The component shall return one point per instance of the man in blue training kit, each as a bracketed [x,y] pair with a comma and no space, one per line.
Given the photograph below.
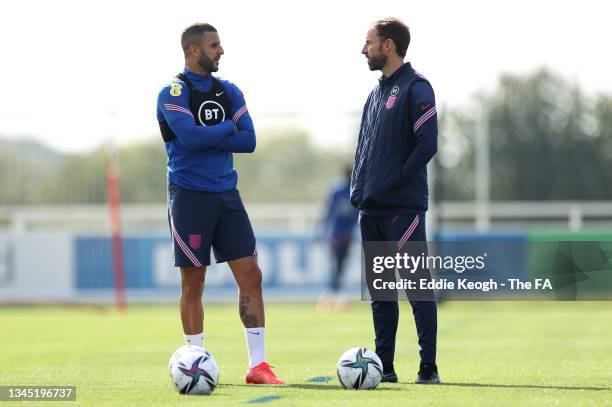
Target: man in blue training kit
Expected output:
[338,224]
[397,138]
[203,120]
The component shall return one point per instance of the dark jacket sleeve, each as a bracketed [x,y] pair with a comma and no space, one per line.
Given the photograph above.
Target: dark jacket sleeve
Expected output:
[424,122]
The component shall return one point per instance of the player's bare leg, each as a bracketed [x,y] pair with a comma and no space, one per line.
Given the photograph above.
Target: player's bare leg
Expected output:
[250,300]
[192,312]
[251,310]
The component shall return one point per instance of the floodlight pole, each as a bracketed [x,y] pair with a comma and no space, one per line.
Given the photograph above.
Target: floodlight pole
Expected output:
[483,170]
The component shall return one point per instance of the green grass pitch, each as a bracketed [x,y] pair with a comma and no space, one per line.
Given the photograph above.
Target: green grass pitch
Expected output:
[489,354]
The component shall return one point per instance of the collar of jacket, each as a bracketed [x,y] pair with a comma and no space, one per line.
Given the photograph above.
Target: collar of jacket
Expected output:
[383,79]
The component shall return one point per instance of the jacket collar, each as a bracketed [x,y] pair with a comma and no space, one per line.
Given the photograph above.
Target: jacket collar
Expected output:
[383,79]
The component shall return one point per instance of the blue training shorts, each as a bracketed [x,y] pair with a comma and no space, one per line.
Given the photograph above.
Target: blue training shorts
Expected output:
[201,220]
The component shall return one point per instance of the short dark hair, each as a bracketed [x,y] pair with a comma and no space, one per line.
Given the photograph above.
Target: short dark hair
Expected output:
[394,29]
[193,34]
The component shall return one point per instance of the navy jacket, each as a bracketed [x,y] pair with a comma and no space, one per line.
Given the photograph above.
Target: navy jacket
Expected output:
[397,138]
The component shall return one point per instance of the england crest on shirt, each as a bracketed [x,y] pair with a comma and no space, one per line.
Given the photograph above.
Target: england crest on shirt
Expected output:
[392,98]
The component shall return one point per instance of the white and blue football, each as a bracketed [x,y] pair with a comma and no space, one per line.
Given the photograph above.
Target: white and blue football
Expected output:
[194,371]
[359,369]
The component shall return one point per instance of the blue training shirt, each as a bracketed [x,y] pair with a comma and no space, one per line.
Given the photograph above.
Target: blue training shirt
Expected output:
[340,216]
[200,158]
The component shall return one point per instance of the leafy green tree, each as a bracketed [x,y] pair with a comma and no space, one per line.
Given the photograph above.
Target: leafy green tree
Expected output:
[548,141]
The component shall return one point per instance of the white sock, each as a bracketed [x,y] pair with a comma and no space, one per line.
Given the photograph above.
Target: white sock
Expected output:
[197,339]
[255,338]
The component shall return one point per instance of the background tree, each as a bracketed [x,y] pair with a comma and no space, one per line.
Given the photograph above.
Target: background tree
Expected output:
[548,141]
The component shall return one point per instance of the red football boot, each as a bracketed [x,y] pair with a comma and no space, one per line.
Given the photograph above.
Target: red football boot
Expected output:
[262,374]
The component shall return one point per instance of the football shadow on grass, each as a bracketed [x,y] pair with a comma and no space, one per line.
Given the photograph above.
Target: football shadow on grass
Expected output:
[523,386]
[334,387]
[310,387]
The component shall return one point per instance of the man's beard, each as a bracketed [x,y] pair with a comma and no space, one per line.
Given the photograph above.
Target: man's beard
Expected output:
[377,63]
[207,64]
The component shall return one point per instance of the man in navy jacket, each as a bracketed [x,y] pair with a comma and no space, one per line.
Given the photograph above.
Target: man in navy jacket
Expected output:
[397,138]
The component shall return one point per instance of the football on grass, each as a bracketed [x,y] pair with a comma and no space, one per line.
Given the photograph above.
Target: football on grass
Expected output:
[359,369]
[193,370]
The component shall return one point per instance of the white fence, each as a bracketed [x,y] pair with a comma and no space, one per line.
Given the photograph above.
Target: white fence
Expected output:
[302,217]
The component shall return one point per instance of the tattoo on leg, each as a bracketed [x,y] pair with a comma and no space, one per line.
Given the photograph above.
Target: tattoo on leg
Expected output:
[249,321]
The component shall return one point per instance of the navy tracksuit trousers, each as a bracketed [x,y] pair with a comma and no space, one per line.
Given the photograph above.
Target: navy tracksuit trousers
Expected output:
[400,228]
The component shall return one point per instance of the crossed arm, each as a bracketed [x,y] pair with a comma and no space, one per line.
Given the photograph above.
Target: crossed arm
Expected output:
[236,135]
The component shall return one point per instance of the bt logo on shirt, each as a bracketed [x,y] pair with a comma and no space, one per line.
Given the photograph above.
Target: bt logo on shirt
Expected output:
[210,113]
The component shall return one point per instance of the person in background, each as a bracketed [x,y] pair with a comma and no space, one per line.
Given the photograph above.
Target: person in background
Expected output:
[338,226]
